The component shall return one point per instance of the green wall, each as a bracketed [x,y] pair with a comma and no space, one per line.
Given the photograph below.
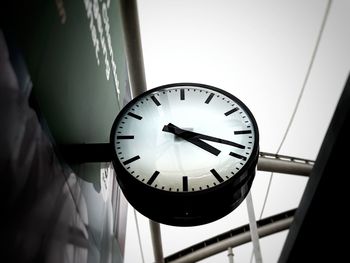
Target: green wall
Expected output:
[74,51]
[75,69]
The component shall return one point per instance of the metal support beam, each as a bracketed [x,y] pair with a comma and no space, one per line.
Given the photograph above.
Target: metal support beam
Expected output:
[234,241]
[138,85]
[253,229]
[133,46]
[230,255]
[156,241]
[284,164]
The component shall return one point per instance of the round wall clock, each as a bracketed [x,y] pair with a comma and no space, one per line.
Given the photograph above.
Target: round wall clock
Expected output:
[185,154]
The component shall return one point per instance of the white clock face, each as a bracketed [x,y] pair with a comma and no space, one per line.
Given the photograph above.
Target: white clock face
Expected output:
[184,138]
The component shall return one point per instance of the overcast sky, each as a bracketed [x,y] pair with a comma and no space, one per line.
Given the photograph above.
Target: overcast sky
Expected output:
[260,52]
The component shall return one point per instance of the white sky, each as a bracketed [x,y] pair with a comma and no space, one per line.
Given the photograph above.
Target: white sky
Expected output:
[259,51]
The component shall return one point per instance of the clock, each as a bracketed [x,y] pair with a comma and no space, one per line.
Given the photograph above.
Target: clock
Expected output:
[185,154]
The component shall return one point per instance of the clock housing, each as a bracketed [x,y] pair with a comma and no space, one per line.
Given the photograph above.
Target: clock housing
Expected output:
[185,154]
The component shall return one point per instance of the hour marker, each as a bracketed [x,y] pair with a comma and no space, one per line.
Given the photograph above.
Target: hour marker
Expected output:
[131,160]
[243,132]
[134,115]
[125,137]
[182,94]
[231,111]
[209,98]
[153,177]
[238,156]
[155,100]
[217,176]
[184,183]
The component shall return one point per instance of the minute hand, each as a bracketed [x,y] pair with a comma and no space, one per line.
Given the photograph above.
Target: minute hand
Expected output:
[206,137]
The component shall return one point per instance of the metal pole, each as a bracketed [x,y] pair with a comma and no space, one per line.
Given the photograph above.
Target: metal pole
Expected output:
[284,164]
[253,229]
[156,241]
[230,255]
[234,241]
[136,70]
[133,46]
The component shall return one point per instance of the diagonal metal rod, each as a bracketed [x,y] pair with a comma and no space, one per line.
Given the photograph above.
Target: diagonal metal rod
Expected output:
[156,241]
[266,227]
[137,77]
[133,46]
[253,229]
[284,164]
[234,241]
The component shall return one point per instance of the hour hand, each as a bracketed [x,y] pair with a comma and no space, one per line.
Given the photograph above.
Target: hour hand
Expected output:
[190,137]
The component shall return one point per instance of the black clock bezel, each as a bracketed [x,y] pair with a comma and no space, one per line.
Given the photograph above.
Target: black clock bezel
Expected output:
[192,207]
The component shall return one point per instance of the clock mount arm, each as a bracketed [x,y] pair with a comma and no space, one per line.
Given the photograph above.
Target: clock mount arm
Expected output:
[103,152]
[85,153]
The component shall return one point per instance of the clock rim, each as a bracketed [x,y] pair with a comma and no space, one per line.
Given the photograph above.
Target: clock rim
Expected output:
[249,162]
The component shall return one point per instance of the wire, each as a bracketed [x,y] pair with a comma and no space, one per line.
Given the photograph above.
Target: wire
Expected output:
[306,79]
[300,94]
[139,237]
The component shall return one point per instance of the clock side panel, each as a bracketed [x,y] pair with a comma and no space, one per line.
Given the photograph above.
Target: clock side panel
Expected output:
[185,209]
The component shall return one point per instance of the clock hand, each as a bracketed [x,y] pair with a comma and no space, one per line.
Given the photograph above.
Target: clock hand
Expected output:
[186,135]
[192,134]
